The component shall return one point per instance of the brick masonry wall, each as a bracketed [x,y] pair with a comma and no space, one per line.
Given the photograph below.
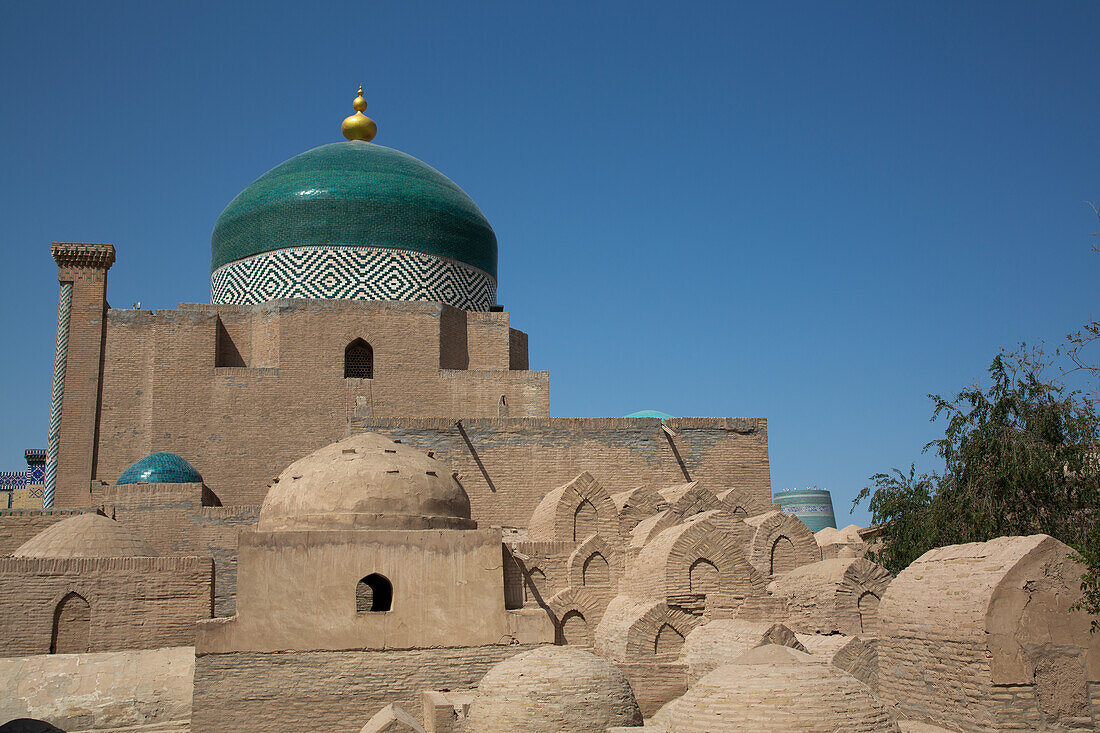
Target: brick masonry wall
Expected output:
[241,425]
[136,603]
[19,525]
[336,692]
[508,465]
[655,684]
[171,518]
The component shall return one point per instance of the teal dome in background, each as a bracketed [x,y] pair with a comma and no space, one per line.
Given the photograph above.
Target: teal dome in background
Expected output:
[354,221]
[160,468]
[650,413]
[355,194]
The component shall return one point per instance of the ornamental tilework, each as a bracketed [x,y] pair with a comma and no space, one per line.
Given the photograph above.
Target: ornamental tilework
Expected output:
[352,273]
[11,480]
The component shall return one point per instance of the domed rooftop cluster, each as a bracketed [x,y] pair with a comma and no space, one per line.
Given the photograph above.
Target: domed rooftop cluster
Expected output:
[85,535]
[160,468]
[776,688]
[552,689]
[366,481]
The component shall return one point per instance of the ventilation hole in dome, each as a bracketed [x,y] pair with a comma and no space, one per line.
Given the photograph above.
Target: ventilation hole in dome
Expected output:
[388,450]
[393,471]
[431,473]
[348,450]
[397,440]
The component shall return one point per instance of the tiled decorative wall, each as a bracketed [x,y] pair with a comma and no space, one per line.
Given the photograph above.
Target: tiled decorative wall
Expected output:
[352,273]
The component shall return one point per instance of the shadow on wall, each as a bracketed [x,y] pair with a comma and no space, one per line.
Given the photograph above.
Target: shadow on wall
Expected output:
[27,725]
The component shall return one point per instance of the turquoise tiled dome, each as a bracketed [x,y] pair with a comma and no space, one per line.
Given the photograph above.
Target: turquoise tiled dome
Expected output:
[160,468]
[650,413]
[355,194]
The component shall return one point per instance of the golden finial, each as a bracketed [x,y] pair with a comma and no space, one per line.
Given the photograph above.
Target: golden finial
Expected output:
[359,126]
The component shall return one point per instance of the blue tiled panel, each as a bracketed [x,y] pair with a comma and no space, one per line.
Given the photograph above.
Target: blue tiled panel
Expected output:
[11,480]
[160,468]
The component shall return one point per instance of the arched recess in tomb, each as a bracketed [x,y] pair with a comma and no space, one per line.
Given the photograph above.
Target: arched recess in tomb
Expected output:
[665,566]
[574,512]
[703,577]
[573,629]
[771,556]
[578,601]
[783,556]
[668,644]
[373,594]
[630,629]
[585,520]
[72,626]
[868,612]
[594,565]
[596,571]
[359,360]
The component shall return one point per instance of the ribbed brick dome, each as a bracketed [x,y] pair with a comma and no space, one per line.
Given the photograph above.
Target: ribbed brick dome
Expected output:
[85,535]
[776,688]
[366,481]
[552,689]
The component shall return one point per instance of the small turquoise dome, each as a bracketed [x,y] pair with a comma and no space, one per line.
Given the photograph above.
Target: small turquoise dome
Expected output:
[650,413]
[160,468]
[355,194]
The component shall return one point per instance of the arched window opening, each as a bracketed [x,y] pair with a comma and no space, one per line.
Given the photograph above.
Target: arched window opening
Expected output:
[502,407]
[584,521]
[668,643]
[359,360]
[72,626]
[867,606]
[573,629]
[373,594]
[596,571]
[703,577]
[784,558]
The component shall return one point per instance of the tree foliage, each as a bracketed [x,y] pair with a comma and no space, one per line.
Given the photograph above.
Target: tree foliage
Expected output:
[1019,457]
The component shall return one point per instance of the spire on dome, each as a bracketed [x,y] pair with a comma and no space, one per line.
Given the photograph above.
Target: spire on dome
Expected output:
[358,126]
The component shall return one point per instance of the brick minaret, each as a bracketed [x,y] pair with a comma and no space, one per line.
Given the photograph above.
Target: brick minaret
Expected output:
[77,371]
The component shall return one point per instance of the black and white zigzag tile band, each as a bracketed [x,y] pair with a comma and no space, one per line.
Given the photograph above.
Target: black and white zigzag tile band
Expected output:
[352,273]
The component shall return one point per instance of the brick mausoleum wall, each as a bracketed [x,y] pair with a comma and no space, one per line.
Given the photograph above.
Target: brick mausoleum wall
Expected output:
[172,519]
[508,465]
[135,602]
[19,525]
[335,692]
[243,391]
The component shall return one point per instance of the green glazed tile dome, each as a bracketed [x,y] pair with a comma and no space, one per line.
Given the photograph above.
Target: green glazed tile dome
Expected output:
[160,468]
[355,194]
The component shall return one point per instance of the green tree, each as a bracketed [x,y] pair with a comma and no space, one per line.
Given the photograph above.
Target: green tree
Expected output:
[1019,458]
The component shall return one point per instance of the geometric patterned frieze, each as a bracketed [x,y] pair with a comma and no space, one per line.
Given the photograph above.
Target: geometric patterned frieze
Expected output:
[352,273]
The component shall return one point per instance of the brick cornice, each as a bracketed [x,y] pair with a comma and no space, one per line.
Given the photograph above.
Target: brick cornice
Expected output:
[83,254]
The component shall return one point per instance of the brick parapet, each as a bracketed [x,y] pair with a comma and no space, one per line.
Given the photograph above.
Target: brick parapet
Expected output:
[83,255]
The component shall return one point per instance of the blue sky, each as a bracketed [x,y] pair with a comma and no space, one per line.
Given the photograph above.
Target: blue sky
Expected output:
[812,212]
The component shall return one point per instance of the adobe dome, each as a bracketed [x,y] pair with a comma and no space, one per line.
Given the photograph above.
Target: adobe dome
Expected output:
[160,468]
[366,481]
[552,689]
[788,688]
[85,535]
[354,220]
